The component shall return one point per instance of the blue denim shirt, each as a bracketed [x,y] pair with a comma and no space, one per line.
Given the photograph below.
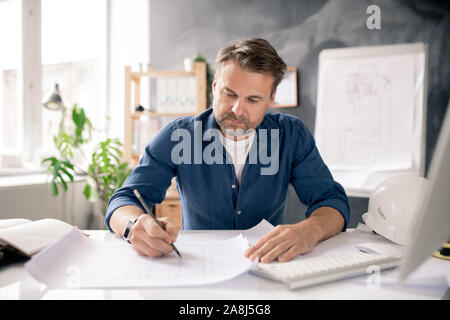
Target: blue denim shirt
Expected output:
[210,195]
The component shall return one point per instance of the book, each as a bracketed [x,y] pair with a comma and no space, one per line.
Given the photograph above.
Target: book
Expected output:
[28,237]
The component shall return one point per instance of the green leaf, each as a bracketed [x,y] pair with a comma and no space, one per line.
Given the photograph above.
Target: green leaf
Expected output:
[51,159]
[88,125]
[64,183]
[90,190]
[54,189]
[106,155]
[119,153]
[78,116]
[67,164]
[67,173]
[59,171]
[87,191]
[200,58]
[64,143]
[79,119]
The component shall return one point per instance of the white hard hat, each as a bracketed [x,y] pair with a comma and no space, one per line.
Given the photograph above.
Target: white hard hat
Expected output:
[392,206]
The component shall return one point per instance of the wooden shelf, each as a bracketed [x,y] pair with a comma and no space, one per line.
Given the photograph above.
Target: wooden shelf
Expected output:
[138,115]
[133,97]
[163,74]
[170,207]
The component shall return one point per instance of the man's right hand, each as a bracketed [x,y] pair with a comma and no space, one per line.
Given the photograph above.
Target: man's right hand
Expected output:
[149,239]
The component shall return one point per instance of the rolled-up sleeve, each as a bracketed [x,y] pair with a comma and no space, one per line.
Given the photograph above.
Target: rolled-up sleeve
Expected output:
[152,177]
[312,180]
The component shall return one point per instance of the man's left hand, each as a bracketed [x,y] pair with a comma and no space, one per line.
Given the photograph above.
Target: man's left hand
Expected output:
[285,242]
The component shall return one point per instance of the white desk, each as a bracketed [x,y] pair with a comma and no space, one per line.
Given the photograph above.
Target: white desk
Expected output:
[16,283]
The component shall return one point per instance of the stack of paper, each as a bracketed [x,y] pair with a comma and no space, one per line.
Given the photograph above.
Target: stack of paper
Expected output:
[80,262]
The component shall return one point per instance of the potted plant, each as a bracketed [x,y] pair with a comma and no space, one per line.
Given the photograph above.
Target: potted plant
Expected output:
[105,171]
[209,78]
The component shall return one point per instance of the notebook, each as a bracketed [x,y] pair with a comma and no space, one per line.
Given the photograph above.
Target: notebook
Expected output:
[29,237]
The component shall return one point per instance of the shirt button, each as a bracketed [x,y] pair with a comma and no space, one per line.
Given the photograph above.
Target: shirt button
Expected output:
[233,186]
[239,212]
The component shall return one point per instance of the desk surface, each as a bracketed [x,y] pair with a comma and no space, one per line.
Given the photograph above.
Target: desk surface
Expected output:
[16,283]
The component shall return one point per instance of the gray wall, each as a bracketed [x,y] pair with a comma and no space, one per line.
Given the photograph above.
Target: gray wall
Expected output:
[299,30]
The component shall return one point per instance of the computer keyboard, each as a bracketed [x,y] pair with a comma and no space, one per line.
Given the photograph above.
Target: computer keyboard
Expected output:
[321,269]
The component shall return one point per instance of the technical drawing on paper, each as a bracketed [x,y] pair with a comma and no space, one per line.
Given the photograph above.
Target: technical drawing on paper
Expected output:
[368,113]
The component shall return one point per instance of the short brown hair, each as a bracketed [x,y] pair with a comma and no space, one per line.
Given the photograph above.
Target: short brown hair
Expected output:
[254,55]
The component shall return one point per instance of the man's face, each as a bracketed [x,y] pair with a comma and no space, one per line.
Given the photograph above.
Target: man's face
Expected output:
[241,98]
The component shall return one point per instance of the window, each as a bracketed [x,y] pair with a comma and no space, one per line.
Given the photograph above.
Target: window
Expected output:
[129,45]
[11,138]
[74,57]
[84,46]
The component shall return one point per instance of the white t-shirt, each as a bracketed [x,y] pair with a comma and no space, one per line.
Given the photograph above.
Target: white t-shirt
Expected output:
[238,150]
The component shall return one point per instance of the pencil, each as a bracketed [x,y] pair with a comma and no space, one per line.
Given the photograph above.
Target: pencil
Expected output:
[141,200]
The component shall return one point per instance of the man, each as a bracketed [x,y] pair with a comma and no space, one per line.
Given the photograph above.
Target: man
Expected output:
[248,185]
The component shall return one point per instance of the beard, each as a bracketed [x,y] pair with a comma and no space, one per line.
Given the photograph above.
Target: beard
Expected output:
[231,129]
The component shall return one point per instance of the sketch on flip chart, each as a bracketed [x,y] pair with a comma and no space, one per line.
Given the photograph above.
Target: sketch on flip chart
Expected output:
[370,113]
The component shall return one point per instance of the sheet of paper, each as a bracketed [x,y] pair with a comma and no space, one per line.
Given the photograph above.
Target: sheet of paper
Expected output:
[370,111]
[6,223]
[286,91]
[252,235]
[79,262]
[255,233]
[346,241]
[370,90]
[433,274]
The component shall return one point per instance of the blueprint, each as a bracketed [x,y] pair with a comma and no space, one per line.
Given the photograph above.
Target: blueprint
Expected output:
[76,261]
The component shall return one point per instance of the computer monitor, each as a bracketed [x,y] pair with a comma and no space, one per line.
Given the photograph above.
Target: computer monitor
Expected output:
[432,221]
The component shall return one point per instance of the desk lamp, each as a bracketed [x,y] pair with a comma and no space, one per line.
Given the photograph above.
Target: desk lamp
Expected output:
[53,102]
